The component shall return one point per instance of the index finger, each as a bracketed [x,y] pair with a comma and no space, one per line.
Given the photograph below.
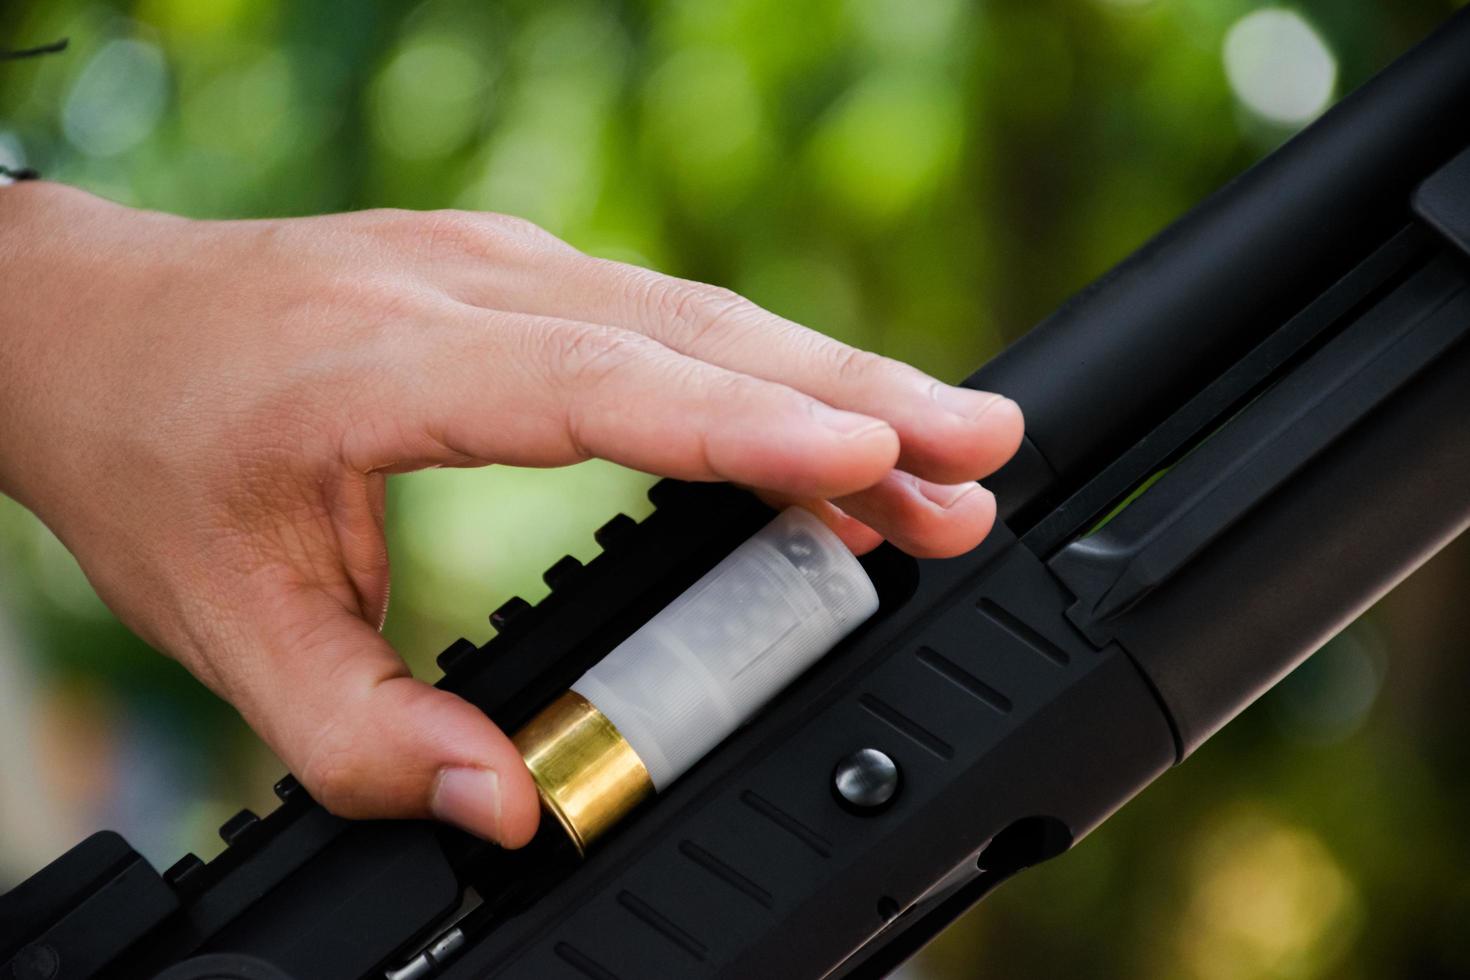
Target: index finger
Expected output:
[947,434]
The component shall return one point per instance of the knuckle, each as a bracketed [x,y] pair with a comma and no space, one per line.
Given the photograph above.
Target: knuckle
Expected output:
[330,776]
[588,354]
[449,233]
[383,219]
[850,364]
[583,358]
[517,227]
[731,388]
[481,235]
[696,310]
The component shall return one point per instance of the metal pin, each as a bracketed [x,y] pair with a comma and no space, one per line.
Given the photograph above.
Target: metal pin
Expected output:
[428,962]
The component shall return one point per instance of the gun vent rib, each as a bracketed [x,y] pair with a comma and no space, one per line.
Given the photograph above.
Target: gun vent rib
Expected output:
[582,963]
[662,925]
[787,822]
[725,873]
[906,726]
[1007,620]
[963,679]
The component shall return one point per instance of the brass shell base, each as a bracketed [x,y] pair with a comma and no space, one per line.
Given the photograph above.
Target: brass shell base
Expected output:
[588,775]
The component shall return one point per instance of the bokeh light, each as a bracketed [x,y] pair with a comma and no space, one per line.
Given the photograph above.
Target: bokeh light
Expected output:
[1329,697]
[117,99]
[12,154]
[431,98]
[904,31]
[1265,900]
[1279,66]
[705,118]
[881,178]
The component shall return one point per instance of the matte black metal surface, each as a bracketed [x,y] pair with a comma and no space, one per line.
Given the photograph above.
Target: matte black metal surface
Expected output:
[1312,557]
[750,866]
[1265,445]
[1443,201]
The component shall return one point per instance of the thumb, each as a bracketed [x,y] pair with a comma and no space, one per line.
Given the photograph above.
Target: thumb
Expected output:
[367,740]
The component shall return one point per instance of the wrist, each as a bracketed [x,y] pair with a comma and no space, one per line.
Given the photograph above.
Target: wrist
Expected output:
[43,254]
[22,216]
[21,207]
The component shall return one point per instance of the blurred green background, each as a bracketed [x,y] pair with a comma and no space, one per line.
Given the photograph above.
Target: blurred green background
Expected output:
[923,178]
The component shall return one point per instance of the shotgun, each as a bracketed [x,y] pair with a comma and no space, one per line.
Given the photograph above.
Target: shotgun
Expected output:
[1236,441]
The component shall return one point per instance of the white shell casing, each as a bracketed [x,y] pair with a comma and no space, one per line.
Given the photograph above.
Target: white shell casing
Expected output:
[702,666]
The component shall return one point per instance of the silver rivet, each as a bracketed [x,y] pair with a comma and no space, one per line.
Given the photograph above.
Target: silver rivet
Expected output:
[867,779]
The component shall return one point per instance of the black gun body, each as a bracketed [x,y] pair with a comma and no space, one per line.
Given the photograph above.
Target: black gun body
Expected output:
[1028,693]
[1290,357]
[1100,373]
[970,678]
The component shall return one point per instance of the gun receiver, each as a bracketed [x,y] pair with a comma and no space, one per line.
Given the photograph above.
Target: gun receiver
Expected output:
[1276,385]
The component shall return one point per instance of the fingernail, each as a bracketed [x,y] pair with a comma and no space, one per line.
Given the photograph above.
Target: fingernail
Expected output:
[946,496]
[470,799]
[845,423]
[967,404]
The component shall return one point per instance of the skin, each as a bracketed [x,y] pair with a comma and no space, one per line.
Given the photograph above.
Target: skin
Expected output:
[206,414]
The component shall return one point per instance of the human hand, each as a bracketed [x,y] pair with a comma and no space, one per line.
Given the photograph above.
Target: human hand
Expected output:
[205,413]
